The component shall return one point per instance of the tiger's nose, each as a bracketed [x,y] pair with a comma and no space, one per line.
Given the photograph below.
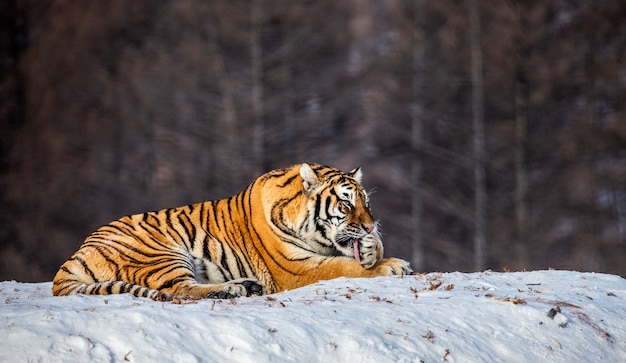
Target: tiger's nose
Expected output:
[368,227]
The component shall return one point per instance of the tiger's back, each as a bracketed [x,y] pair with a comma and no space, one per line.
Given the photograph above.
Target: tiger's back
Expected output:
[289,228]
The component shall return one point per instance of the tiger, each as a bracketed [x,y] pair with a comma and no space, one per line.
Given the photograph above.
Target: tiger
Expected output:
[289,228]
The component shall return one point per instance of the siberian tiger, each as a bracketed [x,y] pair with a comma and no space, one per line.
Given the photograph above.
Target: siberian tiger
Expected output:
[288,228]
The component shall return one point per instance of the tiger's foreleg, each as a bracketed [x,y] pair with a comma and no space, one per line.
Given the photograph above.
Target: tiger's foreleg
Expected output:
[330,267]
[190,289]
[370,250]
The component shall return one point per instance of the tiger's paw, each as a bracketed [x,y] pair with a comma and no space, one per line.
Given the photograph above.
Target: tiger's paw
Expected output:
[236,288]
[393,266]
[252,287]
[162,296]
[370,250]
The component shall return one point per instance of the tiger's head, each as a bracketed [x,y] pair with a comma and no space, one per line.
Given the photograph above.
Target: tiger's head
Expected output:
[327,210]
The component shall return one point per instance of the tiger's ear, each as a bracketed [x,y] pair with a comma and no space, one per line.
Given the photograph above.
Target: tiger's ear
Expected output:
[309,178]
[356,174]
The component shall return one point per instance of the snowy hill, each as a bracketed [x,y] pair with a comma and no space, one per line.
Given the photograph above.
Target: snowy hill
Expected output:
[539,316]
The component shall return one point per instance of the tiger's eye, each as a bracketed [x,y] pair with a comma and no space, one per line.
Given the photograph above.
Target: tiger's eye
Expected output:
[346,206]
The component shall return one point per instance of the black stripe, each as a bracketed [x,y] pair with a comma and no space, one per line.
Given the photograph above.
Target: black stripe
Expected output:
[190,230]
[206,251]
[170,227]
[288,181]
[327,208]
[318,205]
[86,268]
[189,218]
[118,228]
[204,217]
[223,260]
[166,285]
[213,211]
[277,216]
[109,287]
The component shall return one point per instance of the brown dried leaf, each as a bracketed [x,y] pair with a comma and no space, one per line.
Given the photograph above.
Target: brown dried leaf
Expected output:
[434,285]
[446,354]
[559,303]
[515,300]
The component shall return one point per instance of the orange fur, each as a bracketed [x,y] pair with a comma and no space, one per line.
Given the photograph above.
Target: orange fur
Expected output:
[289,228]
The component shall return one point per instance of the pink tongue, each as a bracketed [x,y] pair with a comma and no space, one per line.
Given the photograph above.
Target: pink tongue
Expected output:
[355,248]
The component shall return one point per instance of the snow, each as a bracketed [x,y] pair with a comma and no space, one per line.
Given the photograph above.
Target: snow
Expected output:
[537,316]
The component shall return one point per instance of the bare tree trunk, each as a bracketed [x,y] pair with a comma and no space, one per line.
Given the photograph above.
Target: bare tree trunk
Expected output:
[229,168]
[257,87]
[148,151]
[521,105]
[417,127]
[290,124]
[480,195]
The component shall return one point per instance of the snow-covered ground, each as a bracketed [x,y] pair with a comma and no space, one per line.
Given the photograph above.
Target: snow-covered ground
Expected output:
[539,316]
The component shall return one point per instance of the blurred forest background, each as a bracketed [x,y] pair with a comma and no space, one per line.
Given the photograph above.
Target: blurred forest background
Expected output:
[492,132]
